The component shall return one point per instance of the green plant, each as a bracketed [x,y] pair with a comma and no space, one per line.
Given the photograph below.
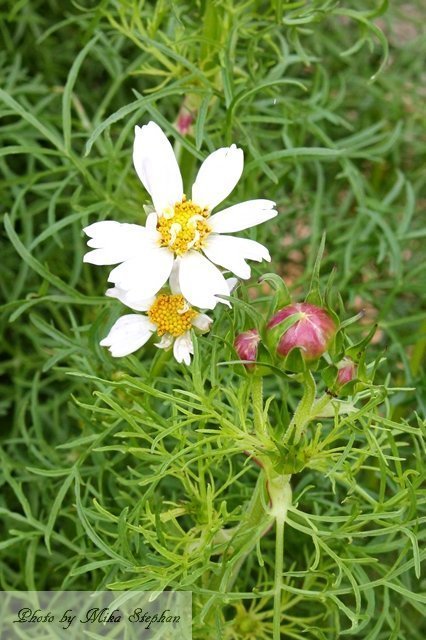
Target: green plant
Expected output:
[130,473]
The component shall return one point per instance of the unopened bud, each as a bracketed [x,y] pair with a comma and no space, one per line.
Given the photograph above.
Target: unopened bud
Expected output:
[311,332]
[184,121]
[346,371]
[246,345]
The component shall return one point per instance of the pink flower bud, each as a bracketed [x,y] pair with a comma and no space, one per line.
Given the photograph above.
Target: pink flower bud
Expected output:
[312,333]
[346,372]
[246,345]
[184,122]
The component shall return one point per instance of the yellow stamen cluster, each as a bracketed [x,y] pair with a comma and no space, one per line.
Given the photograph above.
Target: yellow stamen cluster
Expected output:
[171,314]
[183,227]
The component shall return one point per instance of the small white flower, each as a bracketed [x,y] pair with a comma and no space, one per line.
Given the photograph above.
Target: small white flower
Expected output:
[181,233]
[167,315]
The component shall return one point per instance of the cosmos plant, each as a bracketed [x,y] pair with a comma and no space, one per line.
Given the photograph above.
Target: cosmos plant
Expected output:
[183,263]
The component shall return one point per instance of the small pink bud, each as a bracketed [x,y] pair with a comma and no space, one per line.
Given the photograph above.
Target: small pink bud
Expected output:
[246,345]
[312,333]
[346,372]
[184,122]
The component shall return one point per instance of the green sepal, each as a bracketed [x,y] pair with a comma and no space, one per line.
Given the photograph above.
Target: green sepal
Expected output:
[295,362]
[336,345]
[356,350]
[281,297]
[314,296]
[347,389]
[352,320]
[330,293]
[271,337]
[329,376]
[361,365]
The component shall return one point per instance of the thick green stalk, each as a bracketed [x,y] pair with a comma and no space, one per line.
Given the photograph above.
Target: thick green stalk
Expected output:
[281,496]
[278,577]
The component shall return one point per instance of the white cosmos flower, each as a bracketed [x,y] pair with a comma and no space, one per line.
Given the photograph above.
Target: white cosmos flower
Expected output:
[181,232]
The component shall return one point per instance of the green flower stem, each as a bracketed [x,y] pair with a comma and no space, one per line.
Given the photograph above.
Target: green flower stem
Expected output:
[281,496]
[159,363]
[302,415]
[278,576]
[257,397]
[308,408]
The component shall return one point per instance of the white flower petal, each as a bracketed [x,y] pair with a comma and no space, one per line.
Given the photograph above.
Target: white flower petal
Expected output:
[218,176]
[156,166]
[128,334]
[145,275]
[102,229]
[202,322]
[231,253]
[151,223]
[165,342]
[183,348]
[138,304]
[242,216]
[200,281]
[174,277]
[232,284]
[115,241]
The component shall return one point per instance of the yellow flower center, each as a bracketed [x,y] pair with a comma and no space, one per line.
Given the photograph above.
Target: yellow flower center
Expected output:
[183,227]
[172,314]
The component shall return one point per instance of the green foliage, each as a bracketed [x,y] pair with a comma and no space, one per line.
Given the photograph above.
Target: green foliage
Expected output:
[131,473]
